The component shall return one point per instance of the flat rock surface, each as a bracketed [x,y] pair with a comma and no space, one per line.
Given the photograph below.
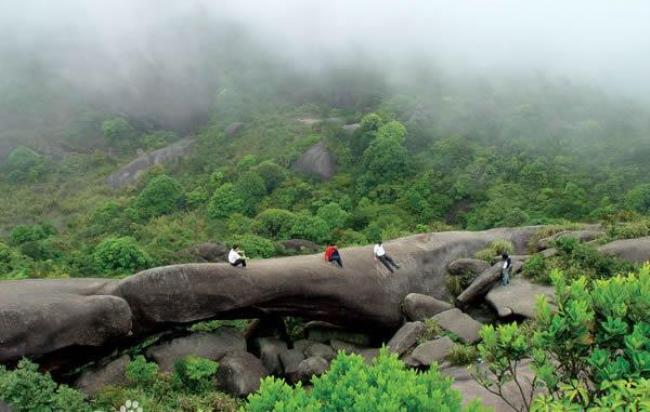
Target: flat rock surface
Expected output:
[460,324]
[432,351]
[518,298]
[406,337]
[482,284]
[632,250]
[420,307]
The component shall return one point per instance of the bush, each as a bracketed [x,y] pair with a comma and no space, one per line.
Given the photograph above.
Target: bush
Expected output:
[27,233]
[577,259]
[333,215]
[162,195]
[140,372]
[351,385]
[638,199]
[225,201]
[462,354]
[275,224]
[25,165]
[195,373]
[432,330]
[255,246]
[272,174]
[117,130]
[536,269]
[306,226]
[25,389]
[496,248]
[120,255]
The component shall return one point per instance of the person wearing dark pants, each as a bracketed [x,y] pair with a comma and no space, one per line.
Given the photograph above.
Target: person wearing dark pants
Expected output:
[380,254]
[236,257]
[332,255]
[505,269]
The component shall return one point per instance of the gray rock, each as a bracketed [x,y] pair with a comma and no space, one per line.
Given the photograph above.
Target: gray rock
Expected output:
[482,284]
[270,350]
[4,407]
[631,250]
[467,266]
[518,297]
[432,351]
[460,324]
[233,129]
[420,307]
[311,367]
[299,246]
[303,344]
[368,353]
[547,253]
[239,373]
[206,345]
[320,350]
[131,172]
[581,235]
[113,373]
[406,337]
[290,361]
[210,252]
[317,161]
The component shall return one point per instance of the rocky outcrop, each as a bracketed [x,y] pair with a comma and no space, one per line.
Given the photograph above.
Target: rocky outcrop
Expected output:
[209,252]
[460,324]
[38,317]
[406,337]
[518,297]
[206,345]
[482,284]
[317,161]
[632,250]
[239,373]
[113,373]
[467,266]
[432,351]
[130,173]
[585,235]
[419,307]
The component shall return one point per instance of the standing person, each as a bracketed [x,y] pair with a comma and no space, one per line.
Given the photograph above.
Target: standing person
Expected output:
[505,271]
[236,256]
[332,255]
[380,253]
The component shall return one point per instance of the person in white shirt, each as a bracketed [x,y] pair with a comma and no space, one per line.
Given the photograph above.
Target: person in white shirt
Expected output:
[236,256]
[380,254]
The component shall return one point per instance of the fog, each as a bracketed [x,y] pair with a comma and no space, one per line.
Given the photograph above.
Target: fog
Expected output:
[144,56]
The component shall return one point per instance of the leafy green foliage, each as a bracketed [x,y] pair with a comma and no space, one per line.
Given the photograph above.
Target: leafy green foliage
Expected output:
[161,195]
[140,372]
[121,255]
[351,385]
[28,233]
[25,389]
[25,165]
[462,354]
[117,130]
[495,248]
[638,198]
[255,246]
[195,373]
[225,201]
[275,223]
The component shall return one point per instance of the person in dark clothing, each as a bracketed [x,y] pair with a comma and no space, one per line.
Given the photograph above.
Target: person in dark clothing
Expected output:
[382,256]
[505,270]
[332,255]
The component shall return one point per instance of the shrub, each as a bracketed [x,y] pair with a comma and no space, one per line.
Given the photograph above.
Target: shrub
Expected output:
[306,226]
[578,259]
[195,373]
[120,255]
[274,223]
[432,330]
[536,268]
[140,372]
[161,195]
[212,325]
[462,354]
[251,188]
[25,389]
[333,215]
[25,165]
[496,248]
[225,201]
[27,233]
[117,130]
[272,174]
[630,230]
[638,199]
[351,385]
[255,246]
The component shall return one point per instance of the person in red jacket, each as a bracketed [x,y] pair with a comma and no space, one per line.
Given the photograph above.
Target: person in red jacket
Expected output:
[332,255]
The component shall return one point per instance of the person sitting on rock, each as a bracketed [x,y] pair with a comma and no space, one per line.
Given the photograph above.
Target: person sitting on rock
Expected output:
[236,256]
[505,271]
[380,254]
[332,255]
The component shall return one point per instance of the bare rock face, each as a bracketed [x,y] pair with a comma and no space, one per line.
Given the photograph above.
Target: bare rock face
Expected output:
[113,373]
[420,307]
[406,337]
[432,351]
[518,297]
[324,332]
[240,373]
[632,250]
[38,317]
[317,161]
[130,173]
[206,345]
[351,128]
[460,324]
[485,281]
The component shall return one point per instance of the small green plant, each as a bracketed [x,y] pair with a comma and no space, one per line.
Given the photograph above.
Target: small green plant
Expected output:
[462,354]
[432,330]
[496,248]
[140,372]
[213,325]
[195,373]
[537,269]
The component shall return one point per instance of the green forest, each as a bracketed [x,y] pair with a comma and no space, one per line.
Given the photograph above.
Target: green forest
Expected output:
[415,149]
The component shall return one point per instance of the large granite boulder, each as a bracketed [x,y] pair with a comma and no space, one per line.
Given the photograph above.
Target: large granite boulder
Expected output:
[206,345]
[419,307]
[317,161]
[320,350]
[482,284]
[240,373]
[632,250]
[131,172]
[460,324]
[518,297]
[269,350]
[113,373]
[290,361]
[432,351]
[309,367]
[467,267]
[210,252]
[406,337]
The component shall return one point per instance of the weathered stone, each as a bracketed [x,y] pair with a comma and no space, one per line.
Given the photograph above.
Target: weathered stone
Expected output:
[131,172]
[240,373]
[460,324]
[482,284]
[311,367]
[467,266]
[406,337]
[299,246]
[631,250]
[303,344]
[432,351]
[206,345]
[317,161]
[547,253]
[269,350]
[320,350]
[210,252]
[518,297]
[290,361]
[581,235]
[113,373]
[420,307]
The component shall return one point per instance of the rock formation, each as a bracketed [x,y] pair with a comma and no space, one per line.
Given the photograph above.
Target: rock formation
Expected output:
[317,161]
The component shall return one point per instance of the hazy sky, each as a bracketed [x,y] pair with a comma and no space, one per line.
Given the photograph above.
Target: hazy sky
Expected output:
[604,42]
